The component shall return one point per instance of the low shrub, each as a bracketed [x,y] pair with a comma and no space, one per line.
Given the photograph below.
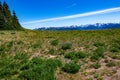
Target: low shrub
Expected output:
[98,44]
[54,42]
[75,55]
[114,49]
[51,51]
[96,65]
[37,69]
[98,53]
[66,46]
[71,55]
[20,56]
[71,68]
[111,64]
[36,45]
[94,57]
[81,55]
[9,44]
[20,42]
[96,75]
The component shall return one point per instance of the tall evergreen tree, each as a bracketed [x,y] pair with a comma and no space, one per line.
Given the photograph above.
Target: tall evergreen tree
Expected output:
[6,10]
[2,22]
[15,21]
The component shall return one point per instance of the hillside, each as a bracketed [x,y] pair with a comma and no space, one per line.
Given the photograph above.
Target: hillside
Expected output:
[8,21]
[60,55]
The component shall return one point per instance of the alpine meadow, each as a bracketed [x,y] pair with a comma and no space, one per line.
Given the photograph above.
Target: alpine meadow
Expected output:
[45,54]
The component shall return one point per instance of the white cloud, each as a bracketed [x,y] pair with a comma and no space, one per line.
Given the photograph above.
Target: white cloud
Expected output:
[110,10]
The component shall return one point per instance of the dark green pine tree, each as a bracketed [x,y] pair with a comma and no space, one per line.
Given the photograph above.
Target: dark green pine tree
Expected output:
[15,21]
[2,21]
[7,16]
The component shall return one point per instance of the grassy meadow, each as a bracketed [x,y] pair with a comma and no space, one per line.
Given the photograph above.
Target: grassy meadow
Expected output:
[60,55]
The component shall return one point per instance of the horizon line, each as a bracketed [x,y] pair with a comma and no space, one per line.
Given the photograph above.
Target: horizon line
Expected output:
[104,11]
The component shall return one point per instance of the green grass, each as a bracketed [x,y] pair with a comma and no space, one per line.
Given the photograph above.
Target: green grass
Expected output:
[96,65]
[71,68]
[76,55]
[38,69]
[111,64]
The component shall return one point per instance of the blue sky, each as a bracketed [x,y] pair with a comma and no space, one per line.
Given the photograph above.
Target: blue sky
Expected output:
[45,13]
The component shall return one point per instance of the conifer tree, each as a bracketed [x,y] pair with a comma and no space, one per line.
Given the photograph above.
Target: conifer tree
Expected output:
[2,22]
[15,21]
[6,11]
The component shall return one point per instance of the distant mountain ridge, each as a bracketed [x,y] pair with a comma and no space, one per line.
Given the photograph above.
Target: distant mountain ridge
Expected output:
[97,26]
[8,21]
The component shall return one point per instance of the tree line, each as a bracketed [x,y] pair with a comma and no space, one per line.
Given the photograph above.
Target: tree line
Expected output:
[8,20]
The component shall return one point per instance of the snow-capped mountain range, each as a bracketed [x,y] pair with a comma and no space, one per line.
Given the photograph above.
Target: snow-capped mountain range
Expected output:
[97,26]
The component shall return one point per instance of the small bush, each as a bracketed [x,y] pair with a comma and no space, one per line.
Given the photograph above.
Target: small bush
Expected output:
[10,44]
[98,44]
[54,42]
[2,48]
[13,32]
[36,45]
[96,65]
[61,52]
[95,57]
[37,69]
[20,56]
[96,75]
[98,53]
[116,56]
[76,55]
[81,55]
[111,64]
[51,51]
[20,42]
[71,55]
[66,46]
[114,49]
[71,68]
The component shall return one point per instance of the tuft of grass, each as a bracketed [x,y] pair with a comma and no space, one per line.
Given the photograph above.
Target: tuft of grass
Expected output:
[38,69]
[98,53]
[54,42]
[114,49]
[111,64]
[51,51]
[66,46]
[98,44]
[76,55]
[71,68]
[96,65]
